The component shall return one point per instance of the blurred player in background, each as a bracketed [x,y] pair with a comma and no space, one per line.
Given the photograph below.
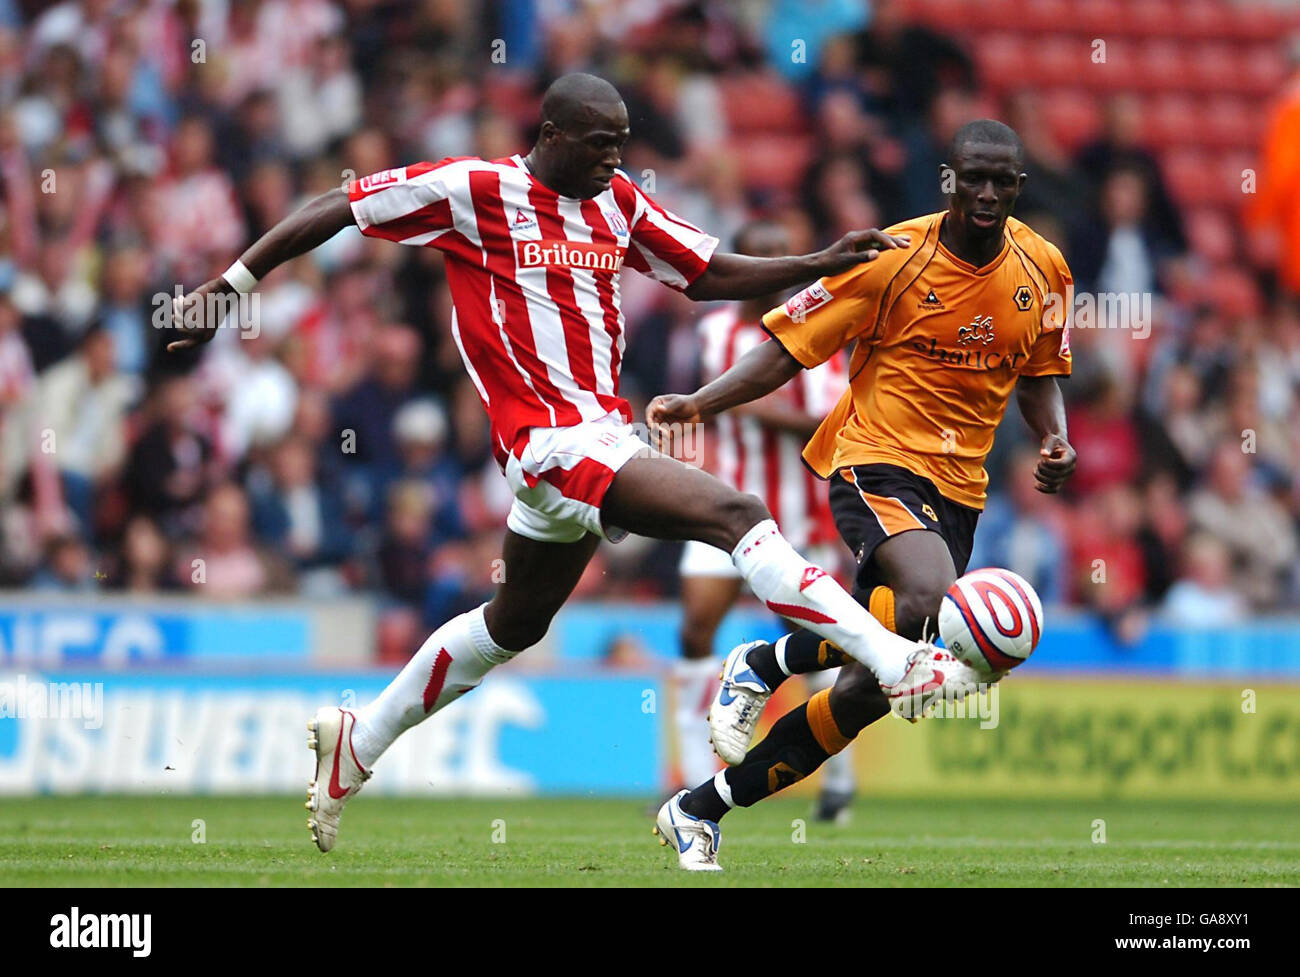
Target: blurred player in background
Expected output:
[976,307]
[755,448]
[534,246]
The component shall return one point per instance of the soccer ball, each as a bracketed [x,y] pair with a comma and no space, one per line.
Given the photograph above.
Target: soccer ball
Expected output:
[991,619]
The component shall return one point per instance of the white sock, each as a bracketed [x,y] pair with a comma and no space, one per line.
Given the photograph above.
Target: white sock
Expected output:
[694,680]
[779,649]
[723,788]
[451,661]
[807,595]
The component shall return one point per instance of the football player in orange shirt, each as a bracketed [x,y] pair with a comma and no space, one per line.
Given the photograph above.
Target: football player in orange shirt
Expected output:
[945,329]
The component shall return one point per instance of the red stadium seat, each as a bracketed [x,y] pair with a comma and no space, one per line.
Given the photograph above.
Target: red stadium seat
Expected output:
[1152,18]
[1264,70]
[1073,115]
[1201,18]
[773,161]
[1046,15]
[1061,60]
[1189,173]
[1163,65]
[1211,234]
[1172,119]
[1230,120]
[1002,15]
[761,102]
[1234,292]
[1121,71]
[1003,60]
[1094,17]
[1216,66]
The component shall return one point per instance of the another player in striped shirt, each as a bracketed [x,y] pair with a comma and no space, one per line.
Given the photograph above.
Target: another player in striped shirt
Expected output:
[535,246]
[756,448]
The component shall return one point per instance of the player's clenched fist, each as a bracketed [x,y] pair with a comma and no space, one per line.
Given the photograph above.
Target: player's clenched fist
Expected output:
[1056,461]
[191,312]
[666,415]
[672,409]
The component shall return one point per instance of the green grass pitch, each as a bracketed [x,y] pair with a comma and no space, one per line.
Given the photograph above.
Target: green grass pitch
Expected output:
[149,841]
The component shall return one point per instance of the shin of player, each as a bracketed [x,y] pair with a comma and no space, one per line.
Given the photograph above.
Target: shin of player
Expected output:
[451,662]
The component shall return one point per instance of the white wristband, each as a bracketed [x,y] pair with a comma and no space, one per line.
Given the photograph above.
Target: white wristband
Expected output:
[240,278]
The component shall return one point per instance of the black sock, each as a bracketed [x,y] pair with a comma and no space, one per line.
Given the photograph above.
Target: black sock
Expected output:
[804,652]
[705,802]
[787,754]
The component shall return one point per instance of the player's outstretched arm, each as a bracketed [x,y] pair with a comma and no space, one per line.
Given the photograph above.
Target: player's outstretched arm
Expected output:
[756,374]
[1043,409]
[300,232]
[740,276]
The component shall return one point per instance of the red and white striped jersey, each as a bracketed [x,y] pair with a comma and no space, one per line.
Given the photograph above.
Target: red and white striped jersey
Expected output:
[534,279]
[754,458]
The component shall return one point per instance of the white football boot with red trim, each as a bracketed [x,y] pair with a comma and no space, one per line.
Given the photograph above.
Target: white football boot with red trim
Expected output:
[932,675]
[339,775]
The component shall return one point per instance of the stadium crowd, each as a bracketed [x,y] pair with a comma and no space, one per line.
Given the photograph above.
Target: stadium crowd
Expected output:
[334,445]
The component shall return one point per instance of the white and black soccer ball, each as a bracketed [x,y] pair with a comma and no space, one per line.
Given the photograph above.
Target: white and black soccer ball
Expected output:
[991,619]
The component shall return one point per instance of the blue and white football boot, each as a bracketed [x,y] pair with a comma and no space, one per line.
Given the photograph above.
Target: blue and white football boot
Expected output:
[695,839]
[739,702]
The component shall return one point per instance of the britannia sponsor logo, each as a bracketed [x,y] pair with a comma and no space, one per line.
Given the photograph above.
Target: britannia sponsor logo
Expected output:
[570,254]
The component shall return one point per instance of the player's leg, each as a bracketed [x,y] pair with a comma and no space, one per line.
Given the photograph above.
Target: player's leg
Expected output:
[537,578]
[539,575]
[837,783]
[917,566]
[710,586]
[664,499]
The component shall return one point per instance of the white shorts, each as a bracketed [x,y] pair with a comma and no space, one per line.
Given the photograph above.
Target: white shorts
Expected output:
[560,481]
[702,560]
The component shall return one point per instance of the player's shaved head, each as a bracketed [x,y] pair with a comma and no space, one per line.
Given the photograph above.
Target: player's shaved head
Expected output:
[986,132]
[573,98]
[982,179]
[580,143]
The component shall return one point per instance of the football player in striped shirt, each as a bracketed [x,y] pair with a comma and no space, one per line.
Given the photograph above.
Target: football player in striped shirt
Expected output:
[534,248]
[945,329]
[755,448]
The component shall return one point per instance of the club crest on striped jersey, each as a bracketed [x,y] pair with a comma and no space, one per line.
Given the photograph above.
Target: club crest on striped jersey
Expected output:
[813,297]
[554,253]
[617,222]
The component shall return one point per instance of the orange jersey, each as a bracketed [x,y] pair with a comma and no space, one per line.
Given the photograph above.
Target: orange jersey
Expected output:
[940,345]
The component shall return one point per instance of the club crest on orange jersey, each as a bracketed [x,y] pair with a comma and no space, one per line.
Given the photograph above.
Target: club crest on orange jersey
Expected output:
[813,297]
[1024,298]
[980,330]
